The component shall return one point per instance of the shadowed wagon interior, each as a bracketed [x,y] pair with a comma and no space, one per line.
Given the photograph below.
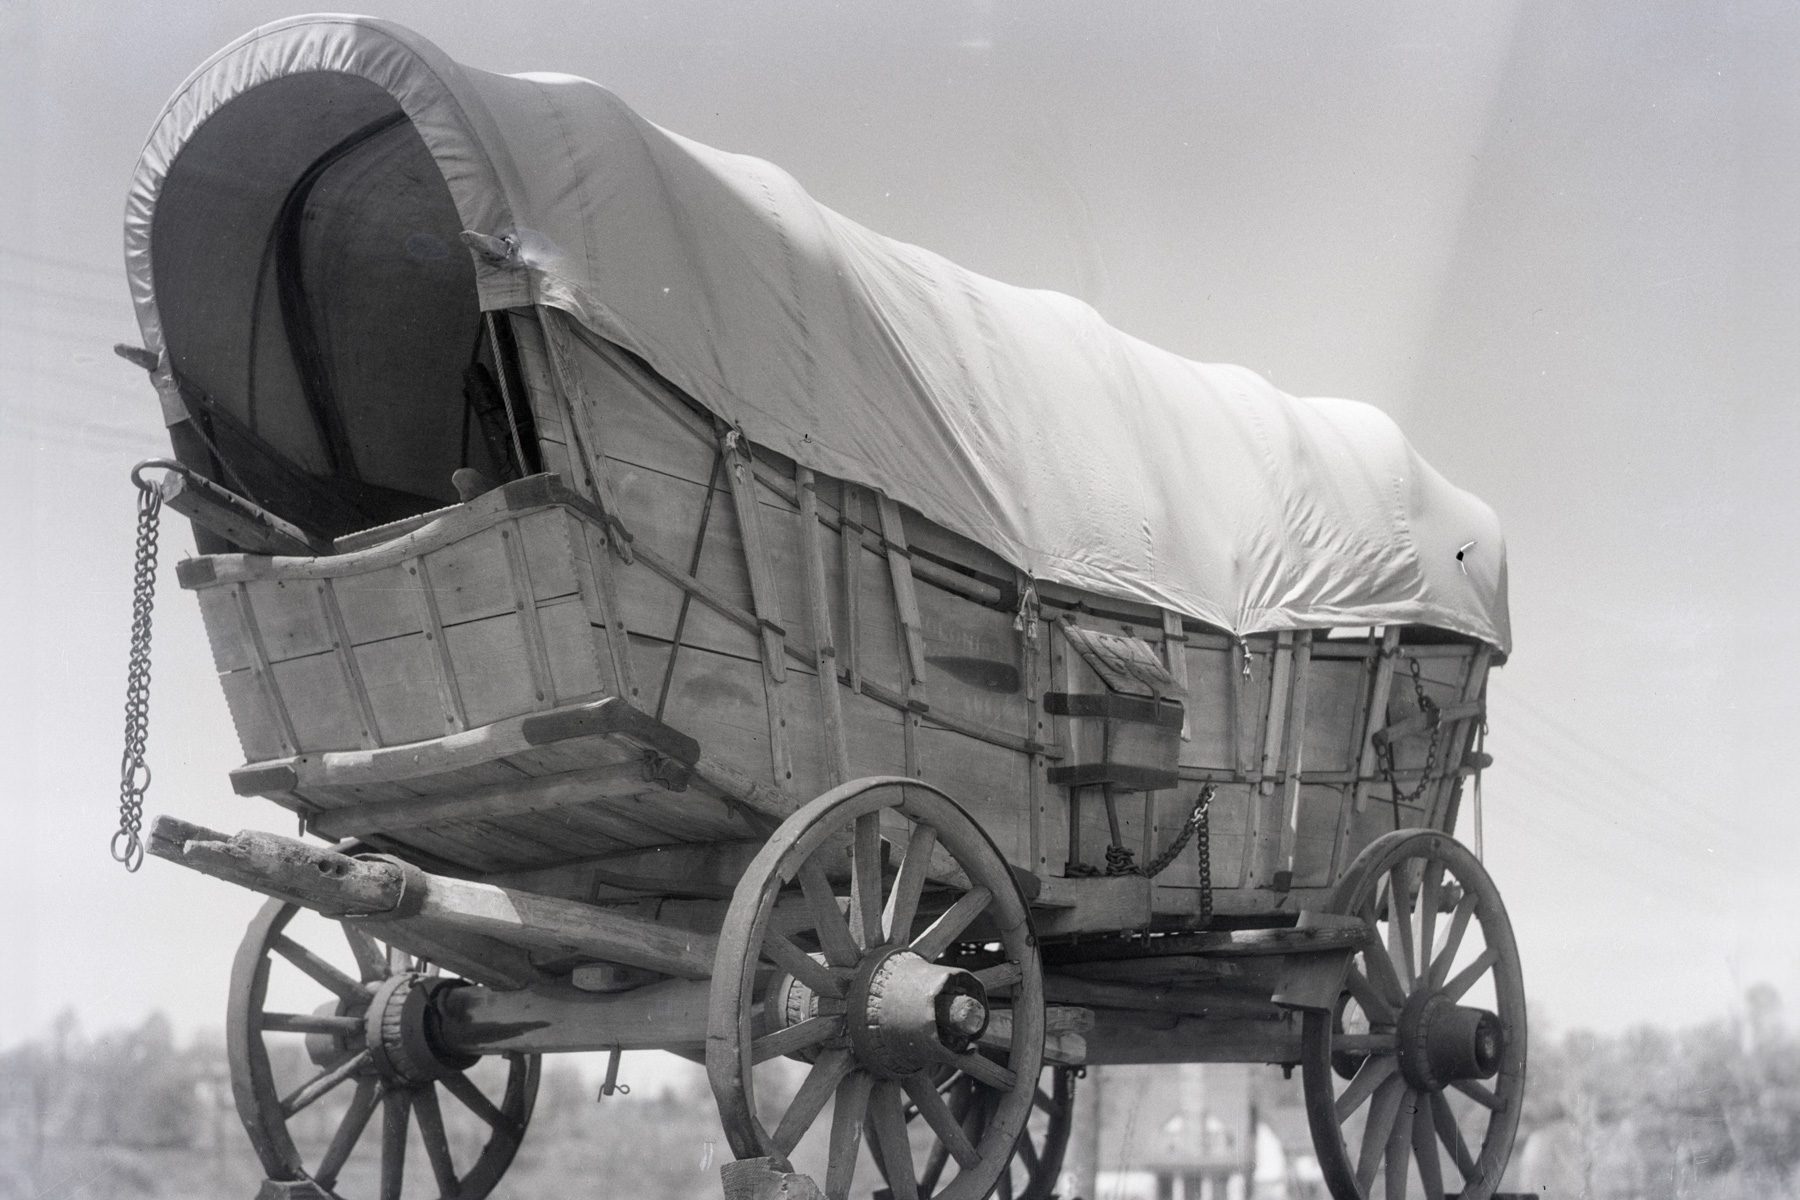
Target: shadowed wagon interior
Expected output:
[625,715]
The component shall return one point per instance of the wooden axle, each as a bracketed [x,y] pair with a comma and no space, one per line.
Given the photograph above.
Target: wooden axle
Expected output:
[670,1015]
[372,888]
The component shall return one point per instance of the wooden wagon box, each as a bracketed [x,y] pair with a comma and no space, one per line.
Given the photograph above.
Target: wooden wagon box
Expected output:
[691,599]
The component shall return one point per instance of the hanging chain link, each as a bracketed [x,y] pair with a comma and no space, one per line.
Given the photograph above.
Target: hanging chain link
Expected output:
[134,771]
[1194,829]
[1194,826]
[1385,749]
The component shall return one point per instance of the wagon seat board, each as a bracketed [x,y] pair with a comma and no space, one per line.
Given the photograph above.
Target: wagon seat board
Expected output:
[659,498]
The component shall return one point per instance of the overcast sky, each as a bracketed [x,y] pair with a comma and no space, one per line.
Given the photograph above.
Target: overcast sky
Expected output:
[1557,242]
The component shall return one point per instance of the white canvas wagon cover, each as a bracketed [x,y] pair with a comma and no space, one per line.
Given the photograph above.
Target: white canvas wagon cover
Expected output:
[1018,418]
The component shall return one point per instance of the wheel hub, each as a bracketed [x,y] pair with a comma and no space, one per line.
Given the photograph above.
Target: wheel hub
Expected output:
[1441,1042]
[905,1014]
[400,1031]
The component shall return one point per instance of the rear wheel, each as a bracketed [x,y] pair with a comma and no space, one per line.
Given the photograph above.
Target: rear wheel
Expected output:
[1038,1157]
[1415,1079]
[329,1026]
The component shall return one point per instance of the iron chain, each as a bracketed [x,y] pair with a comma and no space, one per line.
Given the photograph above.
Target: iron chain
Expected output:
[134,770]
[1429,709]
[1195,829]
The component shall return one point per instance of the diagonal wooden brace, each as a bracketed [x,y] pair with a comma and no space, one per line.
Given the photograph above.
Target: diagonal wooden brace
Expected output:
[378,888]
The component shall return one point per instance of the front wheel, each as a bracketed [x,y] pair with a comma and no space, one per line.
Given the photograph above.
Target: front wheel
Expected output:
[1417,1075]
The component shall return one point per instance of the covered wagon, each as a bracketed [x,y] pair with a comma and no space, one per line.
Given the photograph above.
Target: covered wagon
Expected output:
[691,620]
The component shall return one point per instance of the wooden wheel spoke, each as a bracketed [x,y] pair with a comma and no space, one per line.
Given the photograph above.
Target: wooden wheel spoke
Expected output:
[1371,1075]
[1425,1153]
[311,1023]
[1000,976]
[1365,1043]
[1400,925]
[1451,1135]
[846,1133]
[1479,1093]
[321,972]
[942,933]
[1459,923]
[944,1123]
[795,1038]
[322,1083]
[1465,978]
[909,884]
[1375,1005]
[1399,1146]
[1380,971]
[840,948]
[986,1070]
[1383,1112]
[809,1101]
[396,1109]
[399,961]
[936,1159]
[1429,889]
[865,881]
[349,1132]
[801,965]
[464,1089]
[1044,1101]
[371,960]
[890,1136]
[437,1142]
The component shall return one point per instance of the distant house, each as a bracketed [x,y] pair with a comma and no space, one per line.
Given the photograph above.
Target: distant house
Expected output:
[1204,1131]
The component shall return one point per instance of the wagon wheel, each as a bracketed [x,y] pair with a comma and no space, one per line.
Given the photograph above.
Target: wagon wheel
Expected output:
[1036,1160]
[824,958]
[373,1030]
[1423,1058]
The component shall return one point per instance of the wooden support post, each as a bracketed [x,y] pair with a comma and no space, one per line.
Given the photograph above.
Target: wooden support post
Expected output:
[344,650]
[259,667]
[1175,658]
[531,626]
[1031,652]
[544,343]
[1378,702]
[831,705]
[1454,738]
[1265,807]
[1240,668]
[456,716]
[1292,757]
[850,539]
[912,635]
[906,598]
[741,477]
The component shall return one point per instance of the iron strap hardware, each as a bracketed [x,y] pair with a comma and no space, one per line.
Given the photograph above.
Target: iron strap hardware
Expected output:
[134,771]
[1384,748]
